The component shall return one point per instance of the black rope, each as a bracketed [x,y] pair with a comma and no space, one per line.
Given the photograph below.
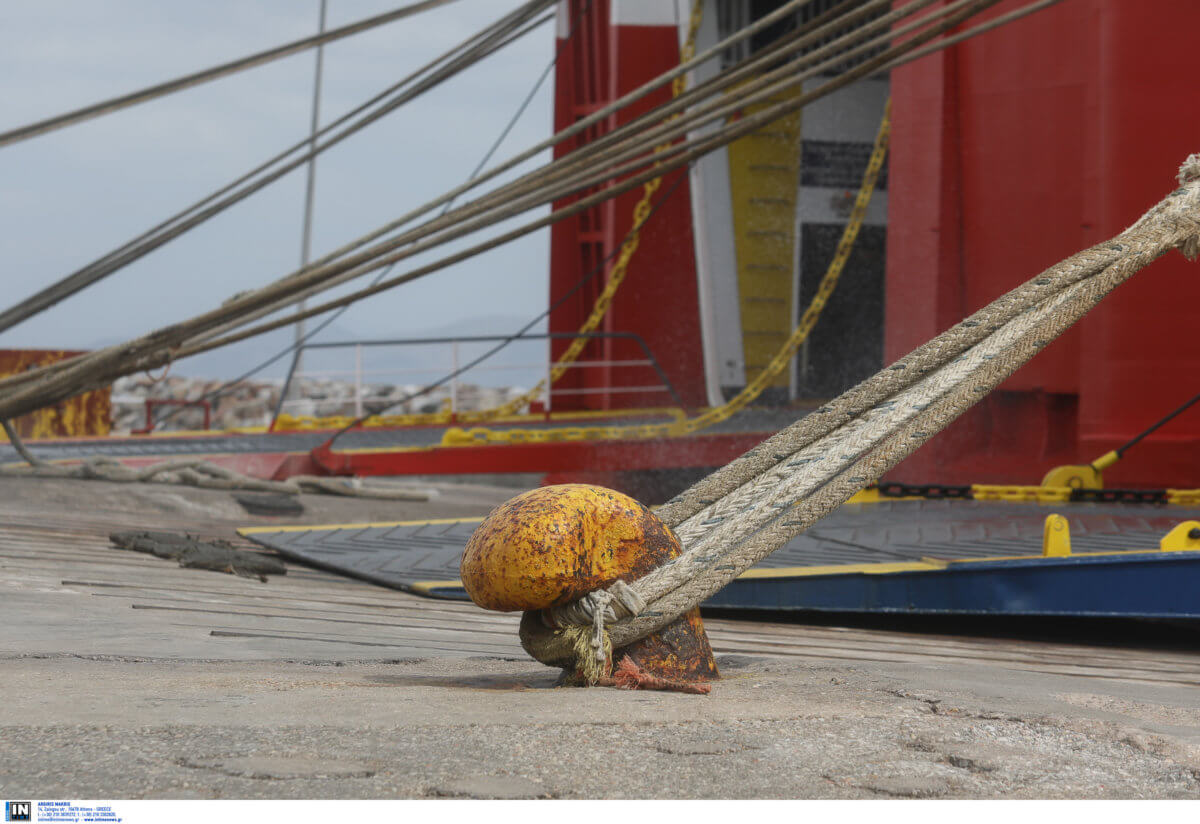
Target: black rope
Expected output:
[229,386]
[1121,449]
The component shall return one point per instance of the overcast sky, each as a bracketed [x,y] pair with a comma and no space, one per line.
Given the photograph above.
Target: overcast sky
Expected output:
[69,197]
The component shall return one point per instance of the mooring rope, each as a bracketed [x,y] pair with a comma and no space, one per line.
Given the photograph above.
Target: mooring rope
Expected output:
[69,377]
[812,467]
[609,156]
[310,334]
[466,54]
[447,65]
[205,75]
[680,154]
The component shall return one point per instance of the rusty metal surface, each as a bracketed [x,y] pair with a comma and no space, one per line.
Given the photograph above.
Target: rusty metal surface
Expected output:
[83,415]
[680,651]
[551,545]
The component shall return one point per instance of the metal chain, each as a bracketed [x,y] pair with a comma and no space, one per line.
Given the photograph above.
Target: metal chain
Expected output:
[1024,493]
[686,426]
[824,291]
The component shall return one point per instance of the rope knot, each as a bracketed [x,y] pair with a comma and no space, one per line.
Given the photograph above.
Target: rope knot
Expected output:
[594,611]
[618,601]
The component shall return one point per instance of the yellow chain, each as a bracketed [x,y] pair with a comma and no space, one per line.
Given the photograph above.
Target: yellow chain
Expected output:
[824,291]
[641,214]
[682,425]
[686,426]
[307,423]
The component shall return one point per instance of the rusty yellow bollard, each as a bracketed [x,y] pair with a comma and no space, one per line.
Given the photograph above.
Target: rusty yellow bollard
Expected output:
[549,546]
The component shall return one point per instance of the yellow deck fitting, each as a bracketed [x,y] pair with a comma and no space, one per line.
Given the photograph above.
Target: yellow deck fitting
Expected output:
[1082,476]
[1056,537]
[1184,536]
[1031,494]
[1183,497]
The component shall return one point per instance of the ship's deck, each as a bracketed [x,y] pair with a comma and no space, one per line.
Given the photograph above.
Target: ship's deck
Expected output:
[127,676]
[764,421]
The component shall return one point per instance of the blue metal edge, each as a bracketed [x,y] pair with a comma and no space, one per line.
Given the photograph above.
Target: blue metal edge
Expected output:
[1153,584]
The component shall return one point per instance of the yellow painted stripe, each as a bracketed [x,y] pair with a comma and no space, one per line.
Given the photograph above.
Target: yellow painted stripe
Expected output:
[432,587]
[1149,551]
[425,587]
[871,495]
[386,450]
[202,433]
[308,423]
[258,530]
[928,565]
[844,569]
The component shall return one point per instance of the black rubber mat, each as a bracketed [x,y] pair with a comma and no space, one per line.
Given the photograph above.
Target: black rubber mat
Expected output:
[423,556]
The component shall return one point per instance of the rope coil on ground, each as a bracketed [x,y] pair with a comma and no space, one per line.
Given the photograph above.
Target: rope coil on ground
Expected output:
[742,513]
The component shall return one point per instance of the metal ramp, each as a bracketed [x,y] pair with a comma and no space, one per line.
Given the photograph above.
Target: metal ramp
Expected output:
[970,557]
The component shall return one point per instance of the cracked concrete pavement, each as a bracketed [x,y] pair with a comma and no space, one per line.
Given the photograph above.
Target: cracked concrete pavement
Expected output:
[477,727]
[125,676]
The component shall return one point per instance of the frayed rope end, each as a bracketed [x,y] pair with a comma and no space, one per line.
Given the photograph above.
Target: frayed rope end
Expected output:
[629,676]
[591,665]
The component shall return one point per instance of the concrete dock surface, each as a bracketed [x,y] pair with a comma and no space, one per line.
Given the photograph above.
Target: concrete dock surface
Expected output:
[126,676]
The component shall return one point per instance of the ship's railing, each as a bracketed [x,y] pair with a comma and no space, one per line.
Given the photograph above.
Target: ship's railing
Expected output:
[450,358]
[153,403]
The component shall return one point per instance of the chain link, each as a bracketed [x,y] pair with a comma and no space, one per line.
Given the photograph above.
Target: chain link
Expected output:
[824,291]
[682,425]
[1015,493]
[932,491]
[688,426]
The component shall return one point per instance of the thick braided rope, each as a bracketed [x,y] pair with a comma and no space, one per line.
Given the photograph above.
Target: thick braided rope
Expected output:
[743,530]
[717,536]
[729,519]
[784,519]
[930,356]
